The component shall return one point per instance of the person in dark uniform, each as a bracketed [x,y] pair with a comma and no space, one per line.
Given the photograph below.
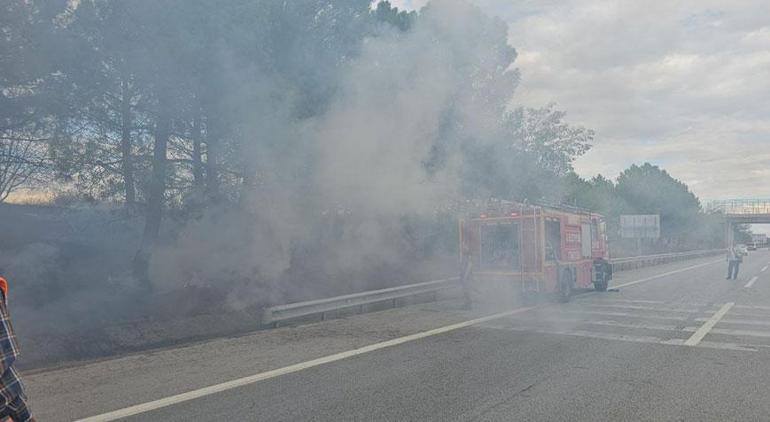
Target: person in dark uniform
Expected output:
[734,258]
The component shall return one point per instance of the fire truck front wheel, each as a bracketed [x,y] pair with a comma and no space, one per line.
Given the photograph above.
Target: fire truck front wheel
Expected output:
[602,271]
[566,284]
[601,282]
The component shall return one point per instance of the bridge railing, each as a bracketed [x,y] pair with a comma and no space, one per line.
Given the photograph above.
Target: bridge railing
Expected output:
[740,206]
[276,314]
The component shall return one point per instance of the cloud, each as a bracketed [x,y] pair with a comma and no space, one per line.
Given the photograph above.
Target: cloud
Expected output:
[682,84]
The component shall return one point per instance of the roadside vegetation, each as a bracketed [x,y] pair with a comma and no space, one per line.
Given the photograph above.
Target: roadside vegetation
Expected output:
[200,160]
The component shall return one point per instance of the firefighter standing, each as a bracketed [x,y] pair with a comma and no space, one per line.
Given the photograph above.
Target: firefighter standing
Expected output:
[734,259]
[13,400]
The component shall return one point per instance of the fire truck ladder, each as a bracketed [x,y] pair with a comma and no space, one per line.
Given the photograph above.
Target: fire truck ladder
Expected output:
[528,235]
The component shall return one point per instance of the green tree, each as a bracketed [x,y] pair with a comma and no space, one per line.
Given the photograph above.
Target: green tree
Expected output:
[743,233]
[27,29]
[401,19]
[105,122]
[544,133]
[647,189]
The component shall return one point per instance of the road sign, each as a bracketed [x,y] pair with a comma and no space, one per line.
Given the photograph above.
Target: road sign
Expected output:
[640,226]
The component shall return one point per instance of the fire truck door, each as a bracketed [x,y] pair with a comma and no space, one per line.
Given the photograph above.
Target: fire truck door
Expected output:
[530,245]
[585,240]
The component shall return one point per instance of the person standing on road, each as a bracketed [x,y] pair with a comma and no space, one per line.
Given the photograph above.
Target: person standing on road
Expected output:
[733,262]
[13,400]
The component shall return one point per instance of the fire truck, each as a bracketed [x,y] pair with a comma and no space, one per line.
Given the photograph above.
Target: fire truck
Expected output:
[544,249]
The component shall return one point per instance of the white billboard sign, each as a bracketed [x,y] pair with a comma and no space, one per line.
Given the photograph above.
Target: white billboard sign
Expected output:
[640,226]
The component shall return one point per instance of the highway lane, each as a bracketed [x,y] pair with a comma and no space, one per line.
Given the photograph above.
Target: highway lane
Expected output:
[602,357]
[490,374]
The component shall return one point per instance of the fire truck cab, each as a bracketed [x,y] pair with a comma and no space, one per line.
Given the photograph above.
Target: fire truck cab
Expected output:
[545,249]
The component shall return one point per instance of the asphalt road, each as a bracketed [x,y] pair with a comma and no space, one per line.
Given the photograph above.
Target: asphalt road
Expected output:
[678,342]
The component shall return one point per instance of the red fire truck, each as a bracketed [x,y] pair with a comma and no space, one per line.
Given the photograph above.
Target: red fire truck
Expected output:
[547,249]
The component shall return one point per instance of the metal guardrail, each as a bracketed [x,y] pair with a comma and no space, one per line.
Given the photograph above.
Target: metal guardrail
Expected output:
[621,264]
[275,314]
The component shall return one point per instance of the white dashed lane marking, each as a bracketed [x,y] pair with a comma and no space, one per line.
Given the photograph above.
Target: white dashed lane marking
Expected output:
[639,324]
[706,327]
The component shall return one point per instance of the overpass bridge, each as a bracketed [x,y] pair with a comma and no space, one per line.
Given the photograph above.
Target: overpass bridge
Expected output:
[741,211]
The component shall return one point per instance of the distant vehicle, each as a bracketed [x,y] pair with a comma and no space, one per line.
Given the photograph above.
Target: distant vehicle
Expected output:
[759,240]
[752,246]
[544,249]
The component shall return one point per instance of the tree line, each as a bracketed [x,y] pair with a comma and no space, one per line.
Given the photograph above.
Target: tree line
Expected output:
[172,107]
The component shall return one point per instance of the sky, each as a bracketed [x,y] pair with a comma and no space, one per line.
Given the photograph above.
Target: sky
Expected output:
[681,84]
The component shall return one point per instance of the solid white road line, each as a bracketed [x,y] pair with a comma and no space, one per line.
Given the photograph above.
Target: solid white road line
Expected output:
[659,302]
[252,379]
[764,308]
[645,308]
[730,346]
[652,327]
[736,321]
[748,315]
[626,314]
[548,322]
[751,282]
[705,328]
[590,334]
[741,333]
[631,283]
[646,302]
[202,392]
[764,268]
[638,339]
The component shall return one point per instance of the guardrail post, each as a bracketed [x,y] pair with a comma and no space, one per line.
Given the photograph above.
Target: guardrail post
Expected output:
[267,316]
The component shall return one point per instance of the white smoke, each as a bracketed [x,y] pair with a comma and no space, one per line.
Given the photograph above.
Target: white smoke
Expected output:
[365,161]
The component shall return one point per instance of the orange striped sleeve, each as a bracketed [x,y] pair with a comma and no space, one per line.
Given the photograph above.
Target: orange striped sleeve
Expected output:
[4,287]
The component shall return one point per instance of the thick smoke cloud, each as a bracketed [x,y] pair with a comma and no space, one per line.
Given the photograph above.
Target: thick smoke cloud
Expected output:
[388,146]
